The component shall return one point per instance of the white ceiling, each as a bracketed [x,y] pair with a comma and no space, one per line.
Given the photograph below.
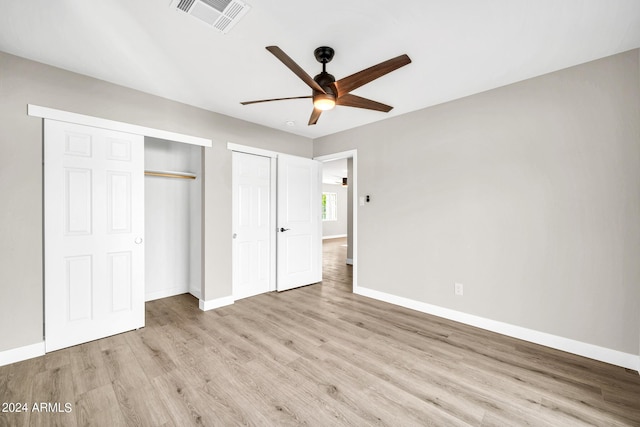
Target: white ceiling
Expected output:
[458,48]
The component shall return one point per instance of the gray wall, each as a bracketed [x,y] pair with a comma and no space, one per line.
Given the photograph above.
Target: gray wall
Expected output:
[25,82]
[339,227]
[528,195]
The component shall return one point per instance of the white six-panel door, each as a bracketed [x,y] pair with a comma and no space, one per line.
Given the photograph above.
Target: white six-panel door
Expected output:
[299,222]
[252,225]
[94,224]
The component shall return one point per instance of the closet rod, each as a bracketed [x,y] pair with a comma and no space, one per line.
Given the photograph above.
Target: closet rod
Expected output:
[171,174]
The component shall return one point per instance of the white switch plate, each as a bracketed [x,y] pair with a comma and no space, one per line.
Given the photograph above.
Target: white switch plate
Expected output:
[458,289]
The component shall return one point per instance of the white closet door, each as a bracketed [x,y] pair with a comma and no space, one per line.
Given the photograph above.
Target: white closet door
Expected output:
[252,228]
[299,222]
[94,224]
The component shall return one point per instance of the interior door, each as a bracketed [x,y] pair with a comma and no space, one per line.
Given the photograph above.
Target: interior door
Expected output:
[299,259]
[94,223]
[252,227]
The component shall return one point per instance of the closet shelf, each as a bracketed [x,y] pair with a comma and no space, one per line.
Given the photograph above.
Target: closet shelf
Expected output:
[170,174]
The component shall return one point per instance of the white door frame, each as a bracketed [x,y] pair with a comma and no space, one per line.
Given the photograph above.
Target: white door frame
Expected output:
[353,154]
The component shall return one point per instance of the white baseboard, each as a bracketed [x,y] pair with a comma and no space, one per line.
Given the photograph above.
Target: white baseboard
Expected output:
[19,354]
[164,293]
[614,357]
[215,303]
[337,236]
[195,292]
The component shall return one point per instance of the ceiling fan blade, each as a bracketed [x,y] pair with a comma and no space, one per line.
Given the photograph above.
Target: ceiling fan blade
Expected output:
[274,99]
[297,70]
[363,77]
[349,100]
[315,115]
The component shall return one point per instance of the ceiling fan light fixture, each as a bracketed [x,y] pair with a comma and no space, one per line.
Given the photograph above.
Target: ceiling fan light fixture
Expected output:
[327,92]
[324,101]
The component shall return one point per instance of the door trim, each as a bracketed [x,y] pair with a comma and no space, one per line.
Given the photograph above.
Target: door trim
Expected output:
[96,122]
[353,154]
[252,150]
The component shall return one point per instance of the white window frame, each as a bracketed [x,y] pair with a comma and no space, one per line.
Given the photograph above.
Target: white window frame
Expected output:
[330,206]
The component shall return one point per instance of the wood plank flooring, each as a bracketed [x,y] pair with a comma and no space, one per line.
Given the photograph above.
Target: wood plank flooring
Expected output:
[317,356]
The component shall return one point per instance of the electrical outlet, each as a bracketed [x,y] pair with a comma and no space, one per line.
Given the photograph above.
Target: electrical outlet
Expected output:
[458,289]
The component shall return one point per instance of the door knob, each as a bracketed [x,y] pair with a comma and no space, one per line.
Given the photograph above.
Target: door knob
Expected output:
[138,240]
[282,229]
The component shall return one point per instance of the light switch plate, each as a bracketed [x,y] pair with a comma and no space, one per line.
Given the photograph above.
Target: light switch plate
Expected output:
[458,289]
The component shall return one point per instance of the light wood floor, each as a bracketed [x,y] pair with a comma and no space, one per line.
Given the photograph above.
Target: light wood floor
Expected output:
[317,356]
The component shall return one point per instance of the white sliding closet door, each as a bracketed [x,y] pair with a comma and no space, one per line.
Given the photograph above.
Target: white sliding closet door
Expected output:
[94,224]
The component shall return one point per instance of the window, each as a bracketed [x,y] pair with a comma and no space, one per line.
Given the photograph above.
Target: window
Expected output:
[329,209]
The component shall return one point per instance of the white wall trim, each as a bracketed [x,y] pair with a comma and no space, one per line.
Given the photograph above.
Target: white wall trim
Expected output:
[251,150]
[66,116]
[21,353]
[335,236]
[337,156]
[216,303]
[273,247]
[614,357]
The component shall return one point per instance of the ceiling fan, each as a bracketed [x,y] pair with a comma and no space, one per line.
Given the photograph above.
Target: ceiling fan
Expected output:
[327,92]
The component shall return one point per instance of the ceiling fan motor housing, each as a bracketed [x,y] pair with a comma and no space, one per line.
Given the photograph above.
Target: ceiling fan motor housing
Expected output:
[328,83]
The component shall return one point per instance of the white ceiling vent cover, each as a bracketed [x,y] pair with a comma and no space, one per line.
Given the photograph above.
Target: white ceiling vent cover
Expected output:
[220,14]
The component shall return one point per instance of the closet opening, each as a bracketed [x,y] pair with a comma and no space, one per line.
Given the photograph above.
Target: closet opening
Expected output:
[173,218]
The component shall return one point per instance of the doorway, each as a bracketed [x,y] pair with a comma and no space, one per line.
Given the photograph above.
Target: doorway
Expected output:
[276,226]
[347,255]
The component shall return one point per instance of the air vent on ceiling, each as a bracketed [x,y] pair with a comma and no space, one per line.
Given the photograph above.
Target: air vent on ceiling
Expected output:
[220,14]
